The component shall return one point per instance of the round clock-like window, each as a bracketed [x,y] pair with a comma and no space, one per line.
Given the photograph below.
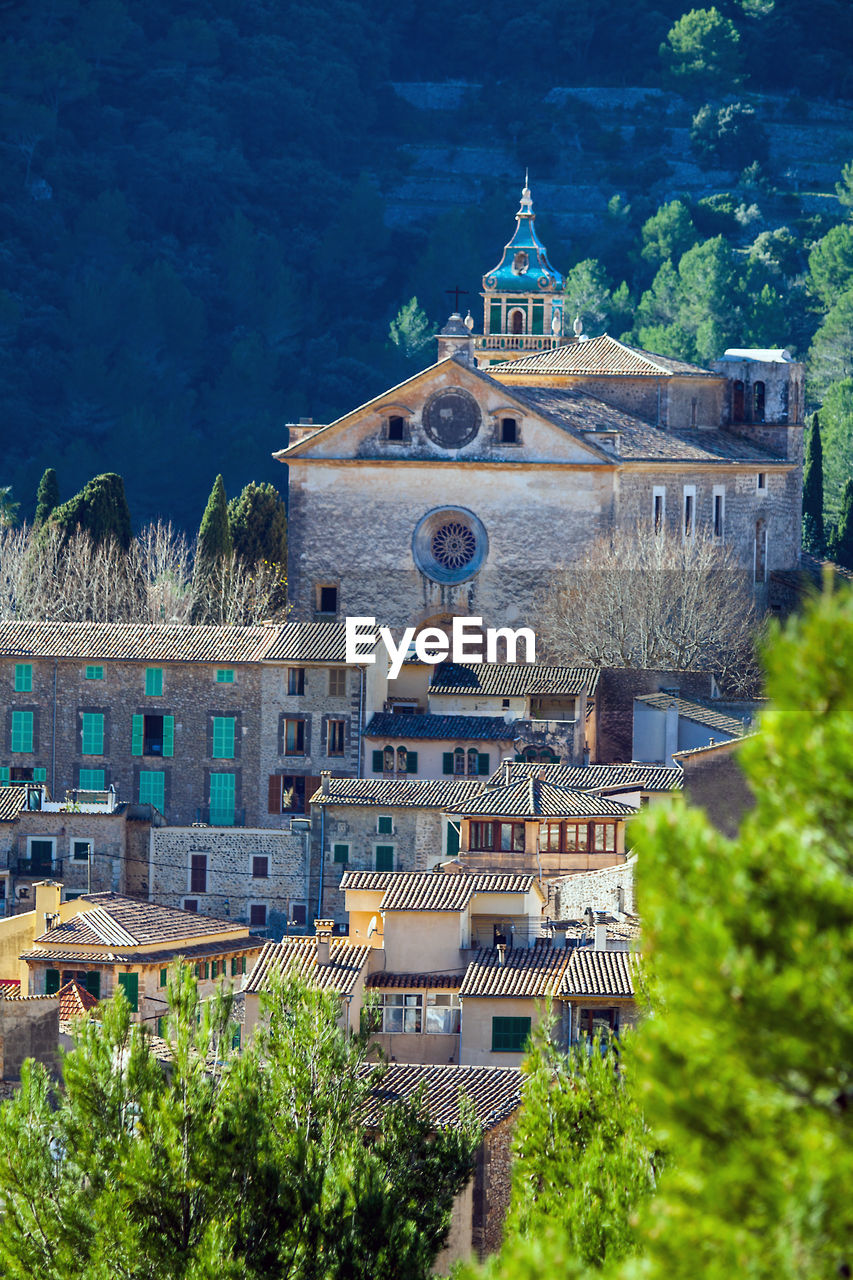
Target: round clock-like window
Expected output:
[450,545]
[451,418]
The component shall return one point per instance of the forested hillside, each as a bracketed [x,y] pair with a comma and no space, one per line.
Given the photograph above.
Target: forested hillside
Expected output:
[211,211]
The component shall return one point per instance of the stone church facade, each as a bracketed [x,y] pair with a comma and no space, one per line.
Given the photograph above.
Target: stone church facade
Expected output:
[463,489]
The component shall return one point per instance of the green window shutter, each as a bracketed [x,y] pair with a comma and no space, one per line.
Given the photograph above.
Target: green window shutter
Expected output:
[377,762]
[384,857]
[163,977]
[161,1026]
[129,983]
[340,853]
[447,762]
[153,682]
[452,840]
[385,824]
[207,968]
[138,732]
[223,737]
[411,762]
[92,736]
[233,967]
[94,673]
[92,780]
[222,790]
[236,1038]
[242,964]
[51,981]
[22,730]
[23,677]
[93,983]
[225,675]
[152,788]
[509,1035]
[39,775]
[495,317]
[168,735]
[4,776]
[483,763]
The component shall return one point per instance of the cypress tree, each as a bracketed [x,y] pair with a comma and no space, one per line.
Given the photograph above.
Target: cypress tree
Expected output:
[47,496]
[844,542]
[214,534]
[813,531]
[258,523]
[99,509]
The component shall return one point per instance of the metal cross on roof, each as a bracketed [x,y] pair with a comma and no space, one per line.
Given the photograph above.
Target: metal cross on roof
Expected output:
[456,292]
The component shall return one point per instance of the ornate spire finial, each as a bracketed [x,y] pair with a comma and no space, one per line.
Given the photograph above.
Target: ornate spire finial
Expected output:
[526,199]
[578,326]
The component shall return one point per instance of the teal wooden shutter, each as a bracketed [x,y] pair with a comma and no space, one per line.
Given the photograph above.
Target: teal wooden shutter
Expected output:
[39,775]
[168,735]
[483,762]
[452,840]
[222,792]
[129,983]
[385,857]
[51,981]
[377,762]
[411,762]
[447,762]
[138,732]
[340,853]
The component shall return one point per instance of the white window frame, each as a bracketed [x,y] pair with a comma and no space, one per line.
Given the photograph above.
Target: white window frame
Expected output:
[72,840]
[51,840]
[719,492]
[659,491]
[688,493]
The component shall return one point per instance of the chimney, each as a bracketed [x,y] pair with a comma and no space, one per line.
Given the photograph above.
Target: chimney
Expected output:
[325,780]
[501,950]
[600,938]
[324,930]
[507,771]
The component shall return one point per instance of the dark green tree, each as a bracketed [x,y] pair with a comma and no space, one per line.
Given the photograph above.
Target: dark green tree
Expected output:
[843,547]
[836,433]
[702,49]
[257,520]
[99,509]
[831,265]
[814,537]
[214,534]
[47,497]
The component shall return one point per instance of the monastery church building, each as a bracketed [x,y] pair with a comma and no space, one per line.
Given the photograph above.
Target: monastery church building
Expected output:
[463,489]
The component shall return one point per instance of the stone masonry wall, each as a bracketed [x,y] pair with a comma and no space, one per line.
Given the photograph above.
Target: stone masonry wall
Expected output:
[417,841]
[232,888]
[29,1028]
[611,889]
[492,1187]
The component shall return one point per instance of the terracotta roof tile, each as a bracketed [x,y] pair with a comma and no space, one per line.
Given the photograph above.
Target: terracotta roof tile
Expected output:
[123,922]
[530,797]
[74,1001]
[12,801]
[532,973]
[511,679]
[597,777]
[308,642]
[384,724]
[434,981]
[134,642]
[599,973]
[733,725]
[603,356]
[495,1092]
[433,890]
[242,943]
[299,956]
[391,793]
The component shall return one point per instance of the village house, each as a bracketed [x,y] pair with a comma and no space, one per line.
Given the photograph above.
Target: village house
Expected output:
[112,941]
[666,724]
[337,965]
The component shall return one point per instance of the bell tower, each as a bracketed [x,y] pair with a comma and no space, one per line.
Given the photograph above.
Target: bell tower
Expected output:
[522,296]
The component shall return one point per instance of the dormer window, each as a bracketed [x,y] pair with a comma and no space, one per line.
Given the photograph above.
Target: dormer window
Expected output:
[508,431]
[396,427]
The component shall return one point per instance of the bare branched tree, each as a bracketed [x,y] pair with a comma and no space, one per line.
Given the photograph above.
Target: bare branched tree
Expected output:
[236,594]
[13,559]
[165,559]
[657,602]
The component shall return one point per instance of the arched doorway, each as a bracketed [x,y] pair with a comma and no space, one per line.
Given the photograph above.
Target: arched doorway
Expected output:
[516,322]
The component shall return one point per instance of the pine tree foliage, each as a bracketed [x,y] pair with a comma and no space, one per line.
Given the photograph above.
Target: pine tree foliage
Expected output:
[814,538]
[100,509]
[47,497]
[843,549]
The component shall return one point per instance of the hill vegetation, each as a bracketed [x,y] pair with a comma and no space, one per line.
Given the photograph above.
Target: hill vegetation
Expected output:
[214,212]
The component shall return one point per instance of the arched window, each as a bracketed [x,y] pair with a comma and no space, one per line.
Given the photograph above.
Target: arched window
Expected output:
[388,760]
[758,402]
[473,762]
[737,401]
[509,431]
[516,322]
[459,762]
[402,760]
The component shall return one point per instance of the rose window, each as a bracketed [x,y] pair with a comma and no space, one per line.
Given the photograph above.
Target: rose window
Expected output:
[453,545]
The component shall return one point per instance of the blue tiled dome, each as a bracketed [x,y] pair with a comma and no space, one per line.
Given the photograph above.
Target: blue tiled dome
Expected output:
[524,267]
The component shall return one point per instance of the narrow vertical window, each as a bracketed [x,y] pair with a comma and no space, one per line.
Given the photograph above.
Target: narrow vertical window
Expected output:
[23,677]
[719,513]
[689,524]
[395,428]
[758,402]
[154,682]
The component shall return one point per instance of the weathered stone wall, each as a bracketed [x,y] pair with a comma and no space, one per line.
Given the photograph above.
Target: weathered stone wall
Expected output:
[29,1028]
[231,887]
[610,889]
[492,1187]
[618,687]
[418,839]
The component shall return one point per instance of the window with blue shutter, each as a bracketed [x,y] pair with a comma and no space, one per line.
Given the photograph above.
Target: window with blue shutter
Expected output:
[137,735]
[223,737]
[92,733]
[222,792]
[22,730]
[168,735]
[153,682]
[23,677]
[92,780]
[152,788]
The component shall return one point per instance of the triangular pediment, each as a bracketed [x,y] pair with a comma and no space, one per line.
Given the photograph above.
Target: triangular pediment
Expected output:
[450,412]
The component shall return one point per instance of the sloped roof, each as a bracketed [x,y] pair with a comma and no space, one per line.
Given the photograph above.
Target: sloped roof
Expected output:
[434,890]
[308,642]
[117,921]
[597,777]
[299,956]
[495,1092]
[532,798]
[12,801]
[599,973]
[602,356]
[523,973]
[75,1000]
[384,724]
[234,945]
[701,714]
[511,679]
[399,793]
[434,981]
[133,642]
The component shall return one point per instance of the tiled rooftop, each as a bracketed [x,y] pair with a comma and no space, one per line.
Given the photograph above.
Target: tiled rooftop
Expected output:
[117,921]
[299,956]
[308,642]
[603,356]
[12,801]
[523,973]
[443,793]
[384,724]
[597,777]
[433,890]
[702,714]
[495,1092]
[74,1001]
[532,798]
[511,679]
[434,981]
[599,973]
[235,945]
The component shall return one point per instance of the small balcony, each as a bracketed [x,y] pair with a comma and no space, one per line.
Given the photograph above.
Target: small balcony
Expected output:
[516,342]
[38,867]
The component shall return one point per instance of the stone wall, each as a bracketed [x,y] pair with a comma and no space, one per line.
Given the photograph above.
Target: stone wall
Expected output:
[714,780]
[29,1028]
[232,888]
[418,838]
[610,889]
[492,1187]
[105,831]
[618,687]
